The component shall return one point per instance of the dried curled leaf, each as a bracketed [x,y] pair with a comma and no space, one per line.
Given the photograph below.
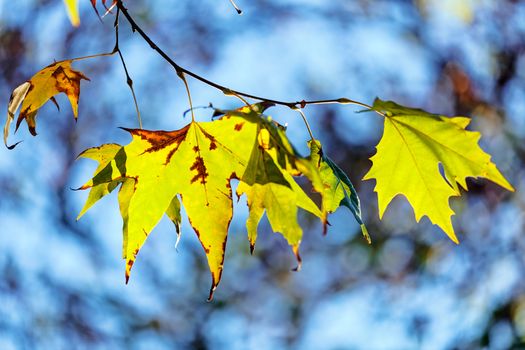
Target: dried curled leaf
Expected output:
[56,78]
[197,164]
[413,145]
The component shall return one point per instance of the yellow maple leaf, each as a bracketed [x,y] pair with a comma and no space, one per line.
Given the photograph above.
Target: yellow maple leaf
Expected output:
[413,145]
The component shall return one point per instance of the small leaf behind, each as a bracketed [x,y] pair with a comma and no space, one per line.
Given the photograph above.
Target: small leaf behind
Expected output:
[56,78]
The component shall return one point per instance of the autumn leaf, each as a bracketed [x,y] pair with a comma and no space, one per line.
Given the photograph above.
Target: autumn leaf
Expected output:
[337,189]
[195,164]
[408,159]
[72,11]
[156,167]
[269,186]
[42,87]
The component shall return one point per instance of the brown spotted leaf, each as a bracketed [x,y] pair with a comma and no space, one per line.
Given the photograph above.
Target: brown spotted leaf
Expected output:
[56,78]
[195,164]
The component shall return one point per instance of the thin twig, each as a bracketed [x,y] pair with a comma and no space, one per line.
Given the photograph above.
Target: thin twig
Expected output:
[129,81]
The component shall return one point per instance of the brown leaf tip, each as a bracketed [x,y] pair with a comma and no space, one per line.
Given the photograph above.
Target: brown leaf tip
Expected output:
[299,259]
[32,130]
[129,265]
[325,226]
[212,291]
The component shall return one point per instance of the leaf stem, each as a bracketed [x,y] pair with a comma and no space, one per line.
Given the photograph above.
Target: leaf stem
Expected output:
[93,56]
[300,111]
[231,93]
[181,75]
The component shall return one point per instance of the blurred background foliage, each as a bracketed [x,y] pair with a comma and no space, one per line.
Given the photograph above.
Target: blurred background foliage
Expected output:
[62,281]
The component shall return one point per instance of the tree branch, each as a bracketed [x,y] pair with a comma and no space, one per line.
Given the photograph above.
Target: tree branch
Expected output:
[181,71]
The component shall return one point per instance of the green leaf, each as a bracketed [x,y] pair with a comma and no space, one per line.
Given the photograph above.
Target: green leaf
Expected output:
[337,189]
[269,186]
